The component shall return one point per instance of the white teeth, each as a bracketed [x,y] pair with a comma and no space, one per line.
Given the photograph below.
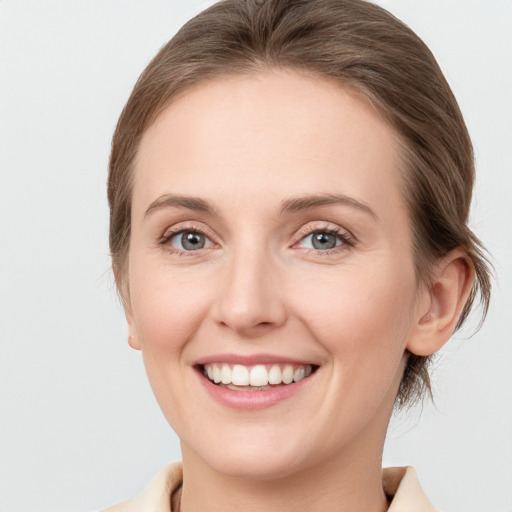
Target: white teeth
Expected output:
[258,376]
[274,375]
[225,374]
[299,374]
[240,376]
[288,374]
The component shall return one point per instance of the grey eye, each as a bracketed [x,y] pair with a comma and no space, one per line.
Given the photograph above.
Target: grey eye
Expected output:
[322,241]
[189,241]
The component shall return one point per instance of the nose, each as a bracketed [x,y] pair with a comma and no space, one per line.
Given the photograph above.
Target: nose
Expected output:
[250,298]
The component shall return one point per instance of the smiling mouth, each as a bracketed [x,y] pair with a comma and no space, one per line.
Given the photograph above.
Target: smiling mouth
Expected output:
[257,377]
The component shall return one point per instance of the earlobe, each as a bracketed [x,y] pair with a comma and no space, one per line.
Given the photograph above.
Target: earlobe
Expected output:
[133,342]
[441,303]
[124,293]
[133,339]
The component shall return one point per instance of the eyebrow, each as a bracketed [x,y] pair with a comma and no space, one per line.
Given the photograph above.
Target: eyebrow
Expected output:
[176,201]
[296,204]
[292,205]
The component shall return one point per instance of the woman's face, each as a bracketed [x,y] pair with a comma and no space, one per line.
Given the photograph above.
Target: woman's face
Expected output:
[270,240]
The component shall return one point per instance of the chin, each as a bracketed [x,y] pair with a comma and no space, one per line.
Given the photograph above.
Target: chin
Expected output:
[258,468]
[254,455]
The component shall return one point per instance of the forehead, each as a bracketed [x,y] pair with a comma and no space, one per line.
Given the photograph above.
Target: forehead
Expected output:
[269,135]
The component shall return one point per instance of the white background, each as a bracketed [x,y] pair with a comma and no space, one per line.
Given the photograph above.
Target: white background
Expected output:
[79,427]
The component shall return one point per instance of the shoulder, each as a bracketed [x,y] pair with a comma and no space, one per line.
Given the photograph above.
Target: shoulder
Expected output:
[156,497]
[404,490]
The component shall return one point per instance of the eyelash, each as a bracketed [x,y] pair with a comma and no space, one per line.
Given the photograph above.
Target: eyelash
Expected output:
[165,240]
[346,239]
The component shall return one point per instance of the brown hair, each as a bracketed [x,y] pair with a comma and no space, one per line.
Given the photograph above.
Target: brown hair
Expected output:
[359,45]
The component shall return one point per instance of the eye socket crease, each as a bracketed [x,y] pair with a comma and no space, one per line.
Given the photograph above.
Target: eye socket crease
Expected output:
[291,205]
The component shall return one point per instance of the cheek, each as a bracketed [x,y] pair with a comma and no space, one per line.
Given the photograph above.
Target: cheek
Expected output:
[363,319]
[168,308]
[361,313]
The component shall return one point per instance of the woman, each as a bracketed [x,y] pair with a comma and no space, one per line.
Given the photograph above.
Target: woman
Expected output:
[289,188]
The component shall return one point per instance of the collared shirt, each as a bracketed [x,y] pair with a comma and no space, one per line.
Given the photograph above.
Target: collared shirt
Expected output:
[401,485]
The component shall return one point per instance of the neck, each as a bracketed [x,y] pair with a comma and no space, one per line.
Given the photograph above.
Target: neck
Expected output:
[343,484]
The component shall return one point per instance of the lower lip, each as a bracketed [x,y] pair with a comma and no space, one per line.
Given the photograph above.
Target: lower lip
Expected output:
[252,400]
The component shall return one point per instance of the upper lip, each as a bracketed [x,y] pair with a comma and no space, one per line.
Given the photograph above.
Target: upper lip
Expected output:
[250,360]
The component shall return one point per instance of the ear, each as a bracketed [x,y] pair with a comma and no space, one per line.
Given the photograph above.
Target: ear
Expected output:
[124,294]
[441,303]
[133,339]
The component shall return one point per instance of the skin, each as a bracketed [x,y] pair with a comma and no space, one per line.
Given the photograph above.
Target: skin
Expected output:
[247,146]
